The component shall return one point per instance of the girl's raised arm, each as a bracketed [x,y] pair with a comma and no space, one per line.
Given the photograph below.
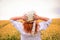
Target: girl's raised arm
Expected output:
[36,17]
[18,18]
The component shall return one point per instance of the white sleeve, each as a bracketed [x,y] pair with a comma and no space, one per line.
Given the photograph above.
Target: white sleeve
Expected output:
[43,25]
[17,25]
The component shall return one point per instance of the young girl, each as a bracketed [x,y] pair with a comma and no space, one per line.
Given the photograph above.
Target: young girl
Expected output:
[30,30]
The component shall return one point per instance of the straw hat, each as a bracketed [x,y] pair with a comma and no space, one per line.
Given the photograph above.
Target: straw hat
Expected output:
[30,15]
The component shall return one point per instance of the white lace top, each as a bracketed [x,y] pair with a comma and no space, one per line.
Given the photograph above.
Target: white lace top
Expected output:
[26,36]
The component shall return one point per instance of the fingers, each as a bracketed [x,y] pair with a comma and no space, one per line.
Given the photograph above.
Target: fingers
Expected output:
[24,17]
[36,17]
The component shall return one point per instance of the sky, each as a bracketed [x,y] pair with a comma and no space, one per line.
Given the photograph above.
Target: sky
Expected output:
[44,8]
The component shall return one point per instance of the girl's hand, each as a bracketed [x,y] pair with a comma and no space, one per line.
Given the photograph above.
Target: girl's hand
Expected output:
[24,17]
[36,17]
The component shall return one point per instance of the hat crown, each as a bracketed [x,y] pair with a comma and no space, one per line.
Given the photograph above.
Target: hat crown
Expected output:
[30,15]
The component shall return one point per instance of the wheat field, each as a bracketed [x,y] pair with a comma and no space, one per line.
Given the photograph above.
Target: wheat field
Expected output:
[8,32]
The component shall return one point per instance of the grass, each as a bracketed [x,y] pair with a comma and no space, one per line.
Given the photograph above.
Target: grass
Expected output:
[8,32]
